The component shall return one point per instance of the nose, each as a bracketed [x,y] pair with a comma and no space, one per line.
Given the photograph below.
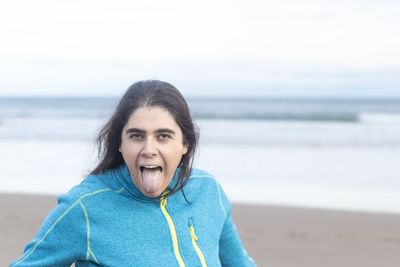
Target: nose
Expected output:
[149,148]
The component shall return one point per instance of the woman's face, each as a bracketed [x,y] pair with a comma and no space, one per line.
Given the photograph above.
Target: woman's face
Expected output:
[152,148]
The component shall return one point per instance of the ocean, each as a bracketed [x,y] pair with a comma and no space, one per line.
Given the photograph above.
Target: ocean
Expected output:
[329,153]
[261,121]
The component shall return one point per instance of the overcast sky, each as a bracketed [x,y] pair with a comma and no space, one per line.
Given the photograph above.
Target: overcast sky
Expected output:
[277,48]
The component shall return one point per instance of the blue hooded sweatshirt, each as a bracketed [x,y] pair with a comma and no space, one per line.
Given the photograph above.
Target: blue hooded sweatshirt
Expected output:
[107,221]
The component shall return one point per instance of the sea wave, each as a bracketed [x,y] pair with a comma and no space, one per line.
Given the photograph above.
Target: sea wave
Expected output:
[273,116]
[263,109]
[379,117]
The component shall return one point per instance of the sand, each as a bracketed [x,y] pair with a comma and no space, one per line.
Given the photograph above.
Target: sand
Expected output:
[273,235]
[360,178]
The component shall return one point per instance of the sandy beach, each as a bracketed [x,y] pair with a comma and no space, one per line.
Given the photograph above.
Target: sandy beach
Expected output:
[273,235]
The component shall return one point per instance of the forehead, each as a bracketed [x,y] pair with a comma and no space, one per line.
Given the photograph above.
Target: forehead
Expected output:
[151,117]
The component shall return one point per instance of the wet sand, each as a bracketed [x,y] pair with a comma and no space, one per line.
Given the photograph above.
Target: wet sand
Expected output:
[273,235]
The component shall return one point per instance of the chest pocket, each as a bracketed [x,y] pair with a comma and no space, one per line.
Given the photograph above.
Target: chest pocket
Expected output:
[195,239]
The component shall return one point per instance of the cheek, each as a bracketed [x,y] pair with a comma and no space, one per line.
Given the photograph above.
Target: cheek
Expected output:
[129,153]
[175,157]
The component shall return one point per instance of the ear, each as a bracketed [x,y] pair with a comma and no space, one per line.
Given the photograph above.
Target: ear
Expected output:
[185,149]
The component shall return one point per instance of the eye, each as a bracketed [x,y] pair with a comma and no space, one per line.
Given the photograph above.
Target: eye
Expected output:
[164,137]
[136,136]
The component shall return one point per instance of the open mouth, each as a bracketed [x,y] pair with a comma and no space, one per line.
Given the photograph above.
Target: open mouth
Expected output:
[152,178]
[150,168]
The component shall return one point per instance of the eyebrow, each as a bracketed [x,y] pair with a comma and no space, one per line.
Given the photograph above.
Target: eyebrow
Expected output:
[137,130]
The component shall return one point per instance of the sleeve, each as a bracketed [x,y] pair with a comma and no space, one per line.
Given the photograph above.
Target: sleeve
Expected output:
[60,241]
[231,250]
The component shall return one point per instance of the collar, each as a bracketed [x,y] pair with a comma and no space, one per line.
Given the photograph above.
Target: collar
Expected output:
[123,177]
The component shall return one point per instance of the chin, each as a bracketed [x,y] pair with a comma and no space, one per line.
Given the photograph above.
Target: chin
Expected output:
[153,194]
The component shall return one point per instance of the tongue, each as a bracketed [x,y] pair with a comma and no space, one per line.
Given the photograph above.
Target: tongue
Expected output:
[151,179]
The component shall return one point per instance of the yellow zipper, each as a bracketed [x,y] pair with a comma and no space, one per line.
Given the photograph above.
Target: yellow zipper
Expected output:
[196,246]
[163,204]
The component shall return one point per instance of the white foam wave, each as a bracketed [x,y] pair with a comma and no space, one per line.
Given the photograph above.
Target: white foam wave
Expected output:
[379,117]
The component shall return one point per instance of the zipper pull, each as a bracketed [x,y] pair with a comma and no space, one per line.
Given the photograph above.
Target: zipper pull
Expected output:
[163,201]
[192,233]
[195,245]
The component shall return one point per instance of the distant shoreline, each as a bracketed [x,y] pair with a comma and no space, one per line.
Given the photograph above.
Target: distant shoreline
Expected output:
[227,97]
[212,108]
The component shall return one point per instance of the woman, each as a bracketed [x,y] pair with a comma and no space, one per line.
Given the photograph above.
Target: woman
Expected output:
[144,204]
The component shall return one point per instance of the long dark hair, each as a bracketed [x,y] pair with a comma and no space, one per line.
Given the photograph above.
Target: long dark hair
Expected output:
[148,94]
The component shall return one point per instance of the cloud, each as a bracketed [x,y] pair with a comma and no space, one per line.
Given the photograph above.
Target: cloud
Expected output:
[69,46]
